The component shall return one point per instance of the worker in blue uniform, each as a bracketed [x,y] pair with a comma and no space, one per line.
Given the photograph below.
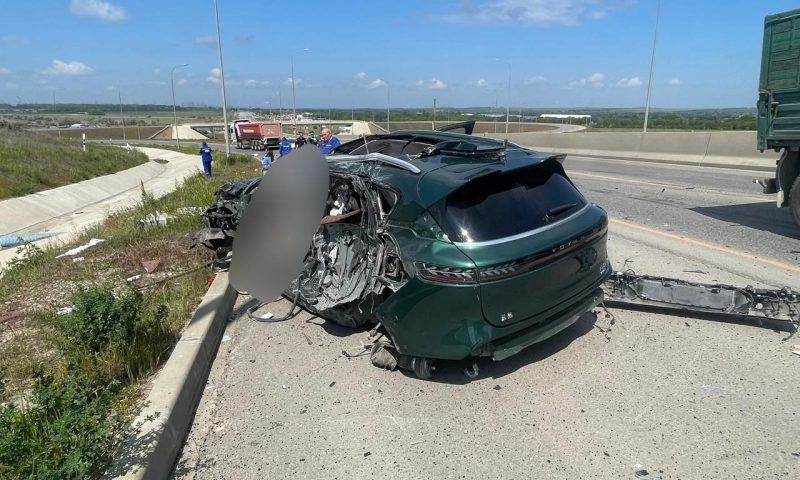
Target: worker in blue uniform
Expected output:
[328,142]
[285,147]
[205,155]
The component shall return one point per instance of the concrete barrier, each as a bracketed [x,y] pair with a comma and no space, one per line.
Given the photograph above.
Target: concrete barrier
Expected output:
[158,431]
[60,201]
[709,148]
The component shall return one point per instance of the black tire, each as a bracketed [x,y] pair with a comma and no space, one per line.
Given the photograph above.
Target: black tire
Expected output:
[794,201]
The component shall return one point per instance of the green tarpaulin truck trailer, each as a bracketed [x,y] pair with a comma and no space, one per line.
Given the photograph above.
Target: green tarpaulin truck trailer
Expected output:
[779,106]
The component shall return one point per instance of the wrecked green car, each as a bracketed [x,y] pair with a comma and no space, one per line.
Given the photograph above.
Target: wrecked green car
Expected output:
[457,245]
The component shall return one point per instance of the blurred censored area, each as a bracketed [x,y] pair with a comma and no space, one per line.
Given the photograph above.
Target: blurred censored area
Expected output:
[276,230]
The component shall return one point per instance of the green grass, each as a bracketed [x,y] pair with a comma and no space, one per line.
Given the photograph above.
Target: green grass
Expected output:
[70,384]
[32,162]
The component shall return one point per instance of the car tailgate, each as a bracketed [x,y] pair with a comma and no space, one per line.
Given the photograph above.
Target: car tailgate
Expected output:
[567,264]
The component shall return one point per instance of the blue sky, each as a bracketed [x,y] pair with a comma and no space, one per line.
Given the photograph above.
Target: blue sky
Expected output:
[562,53]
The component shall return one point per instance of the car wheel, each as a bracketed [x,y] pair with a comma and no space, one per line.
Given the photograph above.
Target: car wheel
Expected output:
[794,201]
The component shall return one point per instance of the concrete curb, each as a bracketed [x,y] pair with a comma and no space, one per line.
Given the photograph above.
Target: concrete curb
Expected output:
[160,428]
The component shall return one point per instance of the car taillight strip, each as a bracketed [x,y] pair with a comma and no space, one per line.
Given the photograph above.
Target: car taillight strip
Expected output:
[440,273]
[463,276]
[517,267]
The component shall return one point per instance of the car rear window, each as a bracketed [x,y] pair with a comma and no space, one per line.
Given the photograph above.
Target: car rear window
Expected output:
[504,204]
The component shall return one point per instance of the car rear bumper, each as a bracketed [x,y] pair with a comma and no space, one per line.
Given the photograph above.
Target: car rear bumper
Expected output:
[445,322]
[503,348]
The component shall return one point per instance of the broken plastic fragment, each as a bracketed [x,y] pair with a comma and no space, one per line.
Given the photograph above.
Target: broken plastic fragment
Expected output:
[65,310]
[640,473]
[74,251]
[155,219]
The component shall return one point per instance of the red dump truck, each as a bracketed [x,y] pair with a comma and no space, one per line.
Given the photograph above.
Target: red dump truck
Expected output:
[257,135]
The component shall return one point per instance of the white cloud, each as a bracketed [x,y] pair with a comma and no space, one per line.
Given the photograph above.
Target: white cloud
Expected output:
[630,82]
[534,12]
[183,81]
[244,39]
[480,83]
[4,71]
[535,80]
[111,88]
[376,83]
[361,75]
[67,68]
[256,83]
[214,77]
[433,84]
[297,82]
[105,11]
[675,82]
[11,86]
[205,41]
[595,80]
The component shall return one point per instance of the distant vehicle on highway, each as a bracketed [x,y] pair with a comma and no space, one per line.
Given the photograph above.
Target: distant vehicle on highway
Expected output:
[256,135]
[779,106]
[79,125]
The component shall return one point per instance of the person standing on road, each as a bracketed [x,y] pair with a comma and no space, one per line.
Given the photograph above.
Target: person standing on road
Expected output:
[266,161]
[285,147]
[205,156]
[300,141]
[328,141]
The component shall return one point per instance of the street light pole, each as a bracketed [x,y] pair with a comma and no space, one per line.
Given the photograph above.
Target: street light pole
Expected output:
[222,83]
[122,119]
[294,100]
[652,69]
[174,109]
[388,104]
[508,97]
[54,115]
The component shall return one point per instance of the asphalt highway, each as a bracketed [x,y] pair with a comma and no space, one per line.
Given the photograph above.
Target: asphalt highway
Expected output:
[681,397]
[716,205]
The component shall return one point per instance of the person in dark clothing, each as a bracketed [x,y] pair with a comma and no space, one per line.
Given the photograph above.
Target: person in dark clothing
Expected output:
[300,141]
[205,155]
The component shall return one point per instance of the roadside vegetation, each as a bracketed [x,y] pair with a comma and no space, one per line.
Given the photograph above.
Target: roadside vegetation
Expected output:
[80,336]
[31,162]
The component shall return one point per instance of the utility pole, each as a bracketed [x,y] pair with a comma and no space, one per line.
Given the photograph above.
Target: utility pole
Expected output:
[508,96]
[494,120]
[54,115]
[434,114]
[174,110]
[294,105]
[652,69]
[222,83]
[138,129]
[388,103]
[119,95]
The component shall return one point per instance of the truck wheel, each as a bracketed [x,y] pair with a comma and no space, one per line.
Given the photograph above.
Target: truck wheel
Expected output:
[794,201]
